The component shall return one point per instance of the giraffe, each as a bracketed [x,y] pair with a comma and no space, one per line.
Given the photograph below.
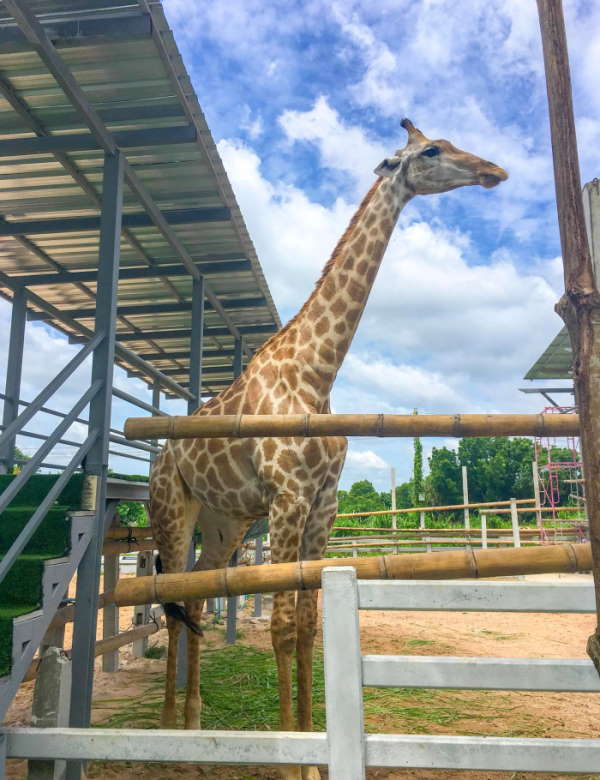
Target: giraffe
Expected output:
[223,485]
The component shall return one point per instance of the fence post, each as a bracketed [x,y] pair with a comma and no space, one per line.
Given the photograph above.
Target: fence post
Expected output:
[422,525]
[484,542]
[141,613]
[343,674]
[514,516]
[258,559]
[182,644]
[110,613]
[232,603]
[465,487]
[13,376]
[50,707]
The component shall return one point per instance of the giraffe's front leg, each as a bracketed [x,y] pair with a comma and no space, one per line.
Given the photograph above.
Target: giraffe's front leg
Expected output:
[168,718]
[307,625]
[193,703]
[286,521]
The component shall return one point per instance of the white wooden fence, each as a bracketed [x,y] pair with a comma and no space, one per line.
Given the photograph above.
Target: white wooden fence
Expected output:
[345,747]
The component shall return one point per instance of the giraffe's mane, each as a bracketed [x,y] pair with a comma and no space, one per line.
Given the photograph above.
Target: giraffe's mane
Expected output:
[326,268]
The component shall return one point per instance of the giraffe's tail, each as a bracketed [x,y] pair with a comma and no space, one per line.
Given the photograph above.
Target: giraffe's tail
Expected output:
[176,611]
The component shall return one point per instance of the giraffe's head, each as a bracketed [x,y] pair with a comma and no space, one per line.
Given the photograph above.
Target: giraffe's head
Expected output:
[427,166]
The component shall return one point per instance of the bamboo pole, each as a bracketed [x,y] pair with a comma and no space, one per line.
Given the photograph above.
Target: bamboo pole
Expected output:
[303,425]
[442,508]
[306,575]
[123,546]
[123,532]
[580,305]
[104,646]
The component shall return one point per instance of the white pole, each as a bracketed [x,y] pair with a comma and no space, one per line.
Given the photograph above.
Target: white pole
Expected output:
[465,486]
[483,517]
[514,516]
[422,525]
[393,488]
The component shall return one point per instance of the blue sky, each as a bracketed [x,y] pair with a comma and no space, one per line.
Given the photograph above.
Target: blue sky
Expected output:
[304,99]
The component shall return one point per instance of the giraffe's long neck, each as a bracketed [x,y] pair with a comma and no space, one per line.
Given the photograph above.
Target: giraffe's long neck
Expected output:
[321,333]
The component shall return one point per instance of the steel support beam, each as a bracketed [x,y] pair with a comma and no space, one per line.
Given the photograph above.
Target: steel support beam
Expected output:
[185,333]
[13,378]
[37,37]
[156,405]
[81,31]
[144,272]
[96,466]
[135,220]
[232,601]
[184,354]
[168,307]
[221,369]
[77,142]
[196,344]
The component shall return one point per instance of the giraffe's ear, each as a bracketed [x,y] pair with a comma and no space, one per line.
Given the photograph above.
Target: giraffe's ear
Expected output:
[388,166]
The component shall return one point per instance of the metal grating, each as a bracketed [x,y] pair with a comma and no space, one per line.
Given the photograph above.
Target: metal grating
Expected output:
[125,60]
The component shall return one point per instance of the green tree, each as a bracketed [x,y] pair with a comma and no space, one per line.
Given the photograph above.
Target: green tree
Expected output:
[417,480]
[362,497]
[443,484]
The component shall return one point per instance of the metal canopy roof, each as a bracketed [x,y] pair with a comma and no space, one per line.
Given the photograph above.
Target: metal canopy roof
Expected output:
[556,360]
[129,89]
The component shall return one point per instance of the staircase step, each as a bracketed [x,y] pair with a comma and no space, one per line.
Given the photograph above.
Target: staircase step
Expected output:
[22,626]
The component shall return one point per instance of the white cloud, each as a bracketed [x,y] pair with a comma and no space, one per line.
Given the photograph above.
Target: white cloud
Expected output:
[341,146]
[365,459]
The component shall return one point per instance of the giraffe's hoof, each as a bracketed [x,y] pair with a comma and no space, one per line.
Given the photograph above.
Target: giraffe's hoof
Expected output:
[192,718]
[310,773]
[168,719]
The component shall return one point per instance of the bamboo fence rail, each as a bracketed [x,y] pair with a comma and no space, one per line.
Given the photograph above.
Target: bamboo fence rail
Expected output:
[397,425]
[305,575]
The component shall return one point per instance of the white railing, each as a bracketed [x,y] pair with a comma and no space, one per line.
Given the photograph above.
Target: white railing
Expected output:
[344,746]
[347,671]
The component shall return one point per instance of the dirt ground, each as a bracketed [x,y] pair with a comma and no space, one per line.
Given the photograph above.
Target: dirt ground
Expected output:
[494,713]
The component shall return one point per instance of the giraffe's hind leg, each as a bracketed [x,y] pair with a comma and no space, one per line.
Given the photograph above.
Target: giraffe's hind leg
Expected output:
[220,538]
[173,515]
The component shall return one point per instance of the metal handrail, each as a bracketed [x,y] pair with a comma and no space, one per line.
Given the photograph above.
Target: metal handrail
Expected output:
[36,518]
[136,402]
[33,464]
[117,438]
[52,386]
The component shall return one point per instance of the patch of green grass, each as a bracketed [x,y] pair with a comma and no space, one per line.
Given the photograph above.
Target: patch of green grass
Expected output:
[239,692]
[498,635]
[419,642]
[155,651]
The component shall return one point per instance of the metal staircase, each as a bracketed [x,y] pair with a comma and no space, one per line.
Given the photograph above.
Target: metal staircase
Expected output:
[28,629]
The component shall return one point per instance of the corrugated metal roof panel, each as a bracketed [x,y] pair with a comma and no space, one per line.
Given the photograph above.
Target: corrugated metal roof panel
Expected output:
[125,59]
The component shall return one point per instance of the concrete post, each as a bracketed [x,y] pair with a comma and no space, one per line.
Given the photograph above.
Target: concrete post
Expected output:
[50,708]
[141,613]
[465,487]
[514,516]
[484,542]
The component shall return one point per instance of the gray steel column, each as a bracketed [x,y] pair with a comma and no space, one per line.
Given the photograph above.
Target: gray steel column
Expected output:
[156,405]
[13,376]
[237,358]
[232,601]
[258,559]
[196,344]
[88,574]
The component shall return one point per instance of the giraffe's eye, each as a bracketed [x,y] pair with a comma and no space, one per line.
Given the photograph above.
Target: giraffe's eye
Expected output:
[432,151]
